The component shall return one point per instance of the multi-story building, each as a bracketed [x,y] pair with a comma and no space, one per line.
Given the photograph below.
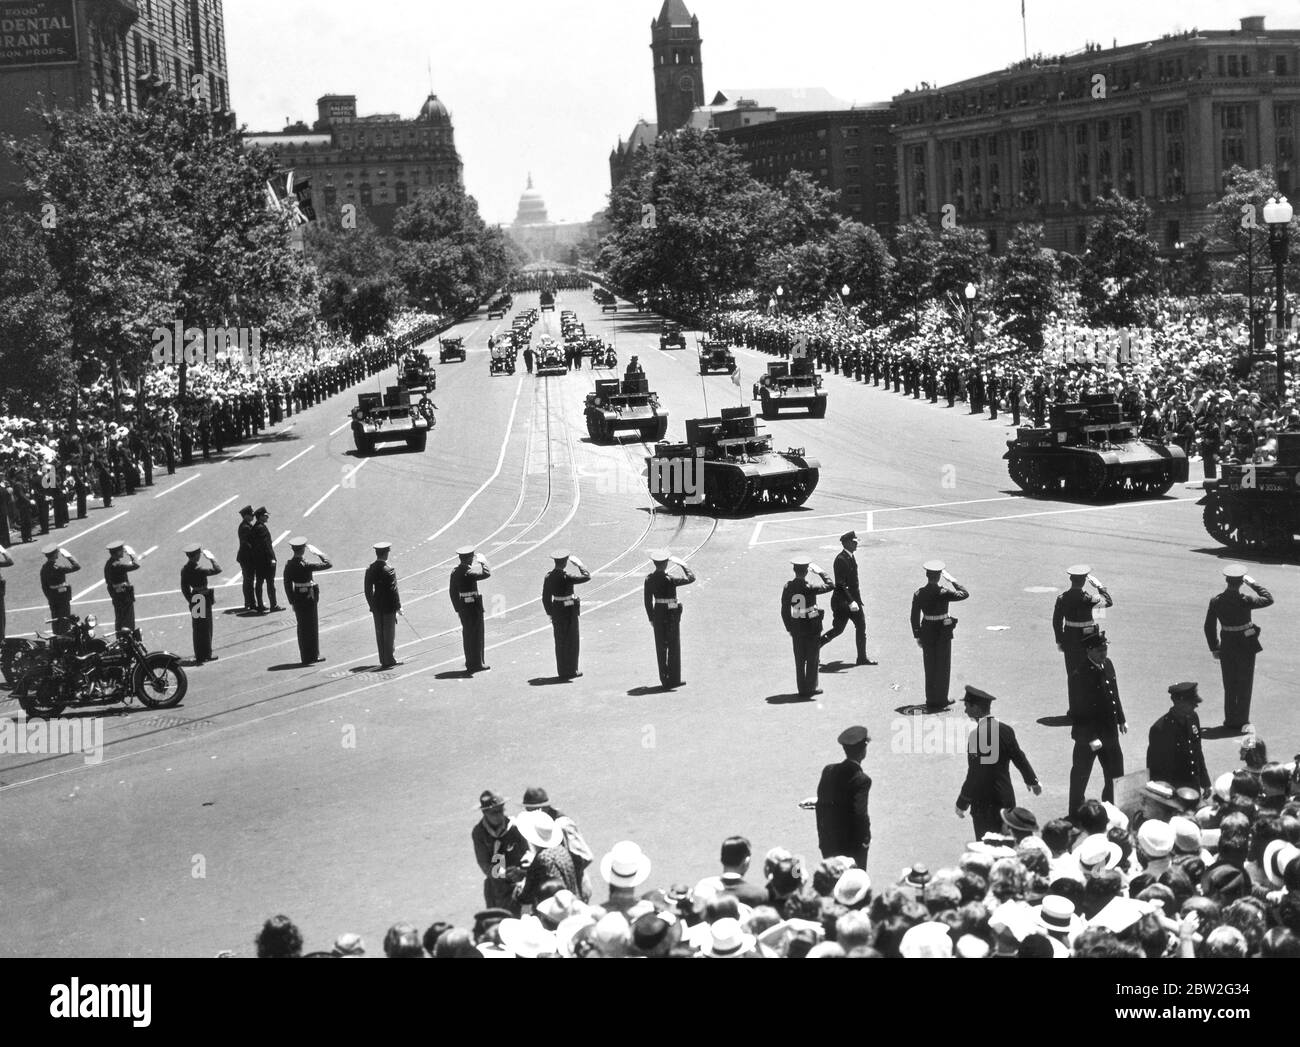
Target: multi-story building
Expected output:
[1045,139]
[376,163]
[73,53]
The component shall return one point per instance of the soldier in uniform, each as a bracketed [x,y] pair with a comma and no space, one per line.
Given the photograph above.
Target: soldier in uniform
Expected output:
[563,607]
[499,849]
[846,602]
[5,561]
[1096,723]
[803,620]
[263,560]
[385,603]
[990,750]
[245,557]
[117,577]
[1072,622]
[303,594]
[1174,751]
[1237,642]
[665,614]
[843,821]
[932,627]
[54,584]
[467,602]
[200,598]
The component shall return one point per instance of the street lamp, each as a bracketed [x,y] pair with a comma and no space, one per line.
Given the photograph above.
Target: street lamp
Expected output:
[1277,216]
[970,316]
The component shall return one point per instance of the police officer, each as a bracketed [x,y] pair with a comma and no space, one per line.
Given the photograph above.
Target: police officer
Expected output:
[245,557]
[1072,621]
[5,561]
[664,611]
[1174,751]
[385,603]
[1097,721]
[1237,643]
[843,793]
[117,577]
[303,594]
[467,601]
[803,620]
[990,750]
[846,602]
[200,598]
[263,560]
[932,627]
[54,583]
[562,607]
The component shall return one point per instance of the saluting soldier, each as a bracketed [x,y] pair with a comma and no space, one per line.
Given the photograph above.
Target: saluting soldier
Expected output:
[1174,751]
[54,584]
[1237,643]
[245,557]
[803,620]
[385,603]
[932,627]
[117,577]
[468,604]
[303,594]
[563,607]
[664,611]
[263,560]
[200,598]
[1097,722]
[990,750]
[5,561]
[846,601]
[1072,622]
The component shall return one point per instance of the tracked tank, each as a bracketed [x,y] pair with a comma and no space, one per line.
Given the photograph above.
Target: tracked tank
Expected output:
[793,387]
[1256,508]
[626,407]
[728,466]
[1090,451]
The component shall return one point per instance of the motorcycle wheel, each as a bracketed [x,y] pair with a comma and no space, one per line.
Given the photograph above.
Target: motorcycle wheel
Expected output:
[38,696]
[160,683]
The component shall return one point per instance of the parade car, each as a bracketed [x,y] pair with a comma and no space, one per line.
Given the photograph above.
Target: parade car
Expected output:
[550,358]
[548,301]
[791,386]
[624,407]
[500,307]
[391,418]
[503,360]
[605,298]
[727,466]
[1089,450]
[717,356]
[671,336]
[417,374]
[451,349]
[1256,507]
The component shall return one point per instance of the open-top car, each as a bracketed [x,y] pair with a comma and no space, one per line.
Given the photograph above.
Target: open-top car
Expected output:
[550,357]
[391,418]
[717,357]
[416,373]
[671,336]
[548,301]
[451,349]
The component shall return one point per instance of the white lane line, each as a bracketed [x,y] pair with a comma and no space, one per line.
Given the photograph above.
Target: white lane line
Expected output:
[175,487]
[341,428]
[295,458]
[149,552]
[87,592]
[280,539]
[350,475]
[250,447]
[321,502]
[103,523]
[207,514]
[286,429]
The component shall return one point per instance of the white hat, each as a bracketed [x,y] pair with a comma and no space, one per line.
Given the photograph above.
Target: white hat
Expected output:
[383,547]
[852,887]
[934,566]
[926,941]
[1277,856]
[1156,838]
[526,937]
[1079,570]
[625,865]
[1057,916]
[1016,918]
[727,939]
[1098,853]
[538,828]
[568,931]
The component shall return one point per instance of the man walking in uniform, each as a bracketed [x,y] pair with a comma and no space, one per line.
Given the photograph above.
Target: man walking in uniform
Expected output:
[117,577]
[1072,623]
[467,602]
[843,821]
[5,561]
[1096,722]
[932,626]
[846,602]
[384,602]
[1174,751]
[802,619]
[563,607]
[54,584]
[990,751]
[200,598]
[263,553]
[1237,643]
[664,611]
[303,594]
[245,556]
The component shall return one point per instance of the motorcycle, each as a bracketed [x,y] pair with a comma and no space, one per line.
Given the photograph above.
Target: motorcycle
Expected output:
[78,669]
[17,656]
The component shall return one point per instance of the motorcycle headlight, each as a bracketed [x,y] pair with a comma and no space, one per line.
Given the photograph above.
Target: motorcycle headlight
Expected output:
[91,632]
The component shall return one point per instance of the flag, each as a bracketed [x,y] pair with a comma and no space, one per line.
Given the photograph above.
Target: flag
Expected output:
[735,377]
[1022,8]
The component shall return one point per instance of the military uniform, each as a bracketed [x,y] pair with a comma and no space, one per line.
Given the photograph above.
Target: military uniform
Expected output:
[991,749]
[245,557]
[843,794]
[665,614]
[932,626]
[200,598]
[467,602]
[5,561]
[802,619]
[54,584]
[385,604]
[303,594]
[847,596]
[1096,716]
[1072,622]
[563,608]
[117,577]
[262,554]
[1174,751]
[1236,642]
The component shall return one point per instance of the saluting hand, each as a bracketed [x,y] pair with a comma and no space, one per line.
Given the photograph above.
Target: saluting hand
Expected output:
[960,813]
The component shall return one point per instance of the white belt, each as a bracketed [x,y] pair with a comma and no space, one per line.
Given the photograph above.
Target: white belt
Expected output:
[303,587]
[565,601]
[670,604]
[59,588]
[469,597]
[121,588]
[934,617]
[1237,628]
[1080,625]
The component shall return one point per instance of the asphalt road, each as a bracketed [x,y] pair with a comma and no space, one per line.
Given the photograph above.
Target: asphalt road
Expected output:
[344,796]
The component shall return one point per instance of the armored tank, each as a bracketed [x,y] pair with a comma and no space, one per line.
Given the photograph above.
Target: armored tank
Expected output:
[417,374]
[625,407]
[792,386]
[1090,451]
[727,465]
[451,349]
[1256,508]
[671,336]
[391,418]
[717,356]
[548,301]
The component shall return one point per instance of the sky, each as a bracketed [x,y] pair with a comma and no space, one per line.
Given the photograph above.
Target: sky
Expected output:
[549,86]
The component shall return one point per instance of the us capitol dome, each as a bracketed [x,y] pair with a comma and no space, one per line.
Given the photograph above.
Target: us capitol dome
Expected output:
[532,208]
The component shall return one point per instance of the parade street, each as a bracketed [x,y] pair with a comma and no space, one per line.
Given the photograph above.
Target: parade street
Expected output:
[340,793]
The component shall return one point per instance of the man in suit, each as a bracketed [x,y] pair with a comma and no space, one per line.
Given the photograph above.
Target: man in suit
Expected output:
[843,821]
[990,750]
[1237,642]
[263,559]
[802,619]
[1072,622]
[1096,721]
[384,602]
[562,607]
[932,626]
[664,611]
[846,602]
[245,556]
[200,598]
[467,602]
[1174,744]
[735,857]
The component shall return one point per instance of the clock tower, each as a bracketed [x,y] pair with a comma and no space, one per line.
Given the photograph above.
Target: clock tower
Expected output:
[679,71]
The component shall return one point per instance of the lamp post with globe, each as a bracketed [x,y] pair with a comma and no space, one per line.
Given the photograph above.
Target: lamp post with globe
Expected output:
[1277,216]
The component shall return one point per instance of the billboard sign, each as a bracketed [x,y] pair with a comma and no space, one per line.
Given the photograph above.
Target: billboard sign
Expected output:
[37,32]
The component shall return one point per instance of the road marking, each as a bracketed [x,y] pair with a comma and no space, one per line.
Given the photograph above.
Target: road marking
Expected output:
[102,523]
[321,502]
[87,592]
[250,447]
[295,458]
[341,428]
[175,487]
[207,514]
[152,549]
[280,539]
[349,476]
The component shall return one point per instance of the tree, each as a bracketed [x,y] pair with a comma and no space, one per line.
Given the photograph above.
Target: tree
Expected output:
[861,260]
[916,253]
[1238,234]
[1025,287]
[35,358]
[362,289]
[963,259]
[1119,263]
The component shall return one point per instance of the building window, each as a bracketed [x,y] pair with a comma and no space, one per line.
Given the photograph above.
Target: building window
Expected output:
[367,195]
[1172,232]
[1173,121]
[1280,65]
[1232,117]
[1081,135]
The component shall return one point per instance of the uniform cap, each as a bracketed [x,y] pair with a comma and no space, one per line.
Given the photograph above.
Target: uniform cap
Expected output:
[1235,570]
[854,736]
[974,694]
[1183,690]
[261,511]
[298,543]
[488,800]
[194,547]
[465,550]
[934,566]
[246,511]
[115,545]
[50,550]
[383,547]
[800,561]
[1079,570]
[1097,639]
[559,554]
[849,536]
[658,555]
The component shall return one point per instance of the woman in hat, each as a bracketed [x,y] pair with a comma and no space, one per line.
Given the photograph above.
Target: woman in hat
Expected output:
[550,860]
